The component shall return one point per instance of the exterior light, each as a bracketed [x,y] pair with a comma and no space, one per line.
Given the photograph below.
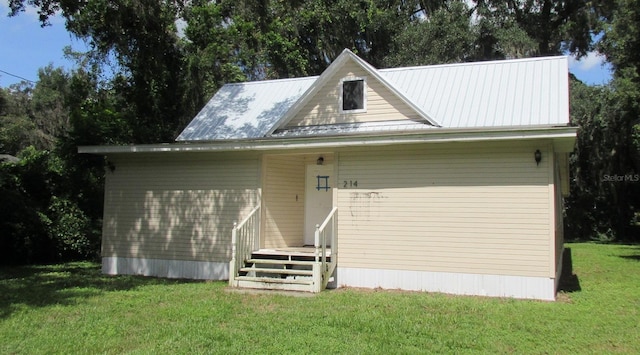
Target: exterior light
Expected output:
[538,156]
[320,161]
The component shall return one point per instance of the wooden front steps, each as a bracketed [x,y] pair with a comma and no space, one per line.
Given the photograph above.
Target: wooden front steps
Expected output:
[292,269]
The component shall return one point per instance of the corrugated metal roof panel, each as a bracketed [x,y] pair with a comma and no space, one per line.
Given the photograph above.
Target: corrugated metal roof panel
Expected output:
[245,110]
[521,92]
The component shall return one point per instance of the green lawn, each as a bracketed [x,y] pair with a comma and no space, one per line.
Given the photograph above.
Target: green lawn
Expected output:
[72,308]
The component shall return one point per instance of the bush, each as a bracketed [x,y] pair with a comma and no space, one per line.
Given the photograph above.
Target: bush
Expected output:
[40,221]
[70,228]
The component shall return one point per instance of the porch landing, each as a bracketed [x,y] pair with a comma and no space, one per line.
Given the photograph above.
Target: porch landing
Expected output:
[291,252]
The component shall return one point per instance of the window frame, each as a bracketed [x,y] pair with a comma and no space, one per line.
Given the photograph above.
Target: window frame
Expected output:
[364,95]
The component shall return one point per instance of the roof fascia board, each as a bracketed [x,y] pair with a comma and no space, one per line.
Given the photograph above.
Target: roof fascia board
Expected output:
[448,135]
[328,73]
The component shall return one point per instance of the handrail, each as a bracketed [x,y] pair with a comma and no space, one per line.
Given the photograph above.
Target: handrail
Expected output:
[244,221]
[326,220]
[320,243]
[244,240]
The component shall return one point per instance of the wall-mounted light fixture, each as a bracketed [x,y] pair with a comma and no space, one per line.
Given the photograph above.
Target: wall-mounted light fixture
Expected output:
[320,161]
[537,156]
[111,166]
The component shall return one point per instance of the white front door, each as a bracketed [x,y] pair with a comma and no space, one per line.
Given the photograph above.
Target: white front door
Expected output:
[318,198]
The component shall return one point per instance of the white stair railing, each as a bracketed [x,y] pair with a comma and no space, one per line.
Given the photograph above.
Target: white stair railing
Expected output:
[245,238]
[327,233]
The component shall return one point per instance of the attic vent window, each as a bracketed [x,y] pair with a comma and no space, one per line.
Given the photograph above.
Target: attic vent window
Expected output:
[353,95]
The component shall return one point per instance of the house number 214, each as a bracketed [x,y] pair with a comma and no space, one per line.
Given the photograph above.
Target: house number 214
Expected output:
[350,183]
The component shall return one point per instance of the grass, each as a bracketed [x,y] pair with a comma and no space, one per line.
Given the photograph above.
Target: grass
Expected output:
[72,308]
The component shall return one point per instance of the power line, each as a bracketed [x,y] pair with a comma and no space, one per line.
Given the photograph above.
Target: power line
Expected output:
[17,76]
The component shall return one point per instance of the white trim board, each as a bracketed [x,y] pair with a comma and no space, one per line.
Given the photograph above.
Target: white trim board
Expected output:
[541,288]
[175,269]
[563,140]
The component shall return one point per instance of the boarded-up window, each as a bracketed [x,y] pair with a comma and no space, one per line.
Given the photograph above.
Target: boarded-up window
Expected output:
[353,95]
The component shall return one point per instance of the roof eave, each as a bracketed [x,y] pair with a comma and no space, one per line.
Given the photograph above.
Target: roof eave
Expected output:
[560,133]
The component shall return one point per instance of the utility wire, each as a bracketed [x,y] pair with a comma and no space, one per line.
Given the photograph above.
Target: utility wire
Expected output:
[17,76]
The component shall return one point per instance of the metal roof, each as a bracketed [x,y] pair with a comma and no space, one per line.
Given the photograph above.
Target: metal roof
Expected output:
[521,92]
[509,93]
[245,110]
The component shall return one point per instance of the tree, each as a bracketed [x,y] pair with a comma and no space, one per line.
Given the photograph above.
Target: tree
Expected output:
[52,198]
[453,31]
[589,206]
[215,51]
[22,234]
[446,36]
[49,113]
[555,26]
[35,115]
[621,44]
[17,129]
[142,37]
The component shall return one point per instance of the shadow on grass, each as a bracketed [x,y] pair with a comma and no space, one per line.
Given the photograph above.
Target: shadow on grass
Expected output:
[635,253]
[64,284]
[635,257]
[569,281]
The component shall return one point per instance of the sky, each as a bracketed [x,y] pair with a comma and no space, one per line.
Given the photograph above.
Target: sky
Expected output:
[25,47]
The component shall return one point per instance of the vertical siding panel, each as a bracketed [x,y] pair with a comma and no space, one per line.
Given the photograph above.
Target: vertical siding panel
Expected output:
[454,207]
[176,206]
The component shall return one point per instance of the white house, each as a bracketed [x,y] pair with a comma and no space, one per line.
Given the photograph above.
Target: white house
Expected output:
[445,178]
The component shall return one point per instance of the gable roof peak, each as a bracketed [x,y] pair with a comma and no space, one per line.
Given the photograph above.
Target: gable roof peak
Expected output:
[336,65]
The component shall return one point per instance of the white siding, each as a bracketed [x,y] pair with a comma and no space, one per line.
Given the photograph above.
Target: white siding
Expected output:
[541,288]
[382,105]
[465,208]
[176,206]
[175,269]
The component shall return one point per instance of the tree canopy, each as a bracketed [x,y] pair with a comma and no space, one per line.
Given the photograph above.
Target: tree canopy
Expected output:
[167,57]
